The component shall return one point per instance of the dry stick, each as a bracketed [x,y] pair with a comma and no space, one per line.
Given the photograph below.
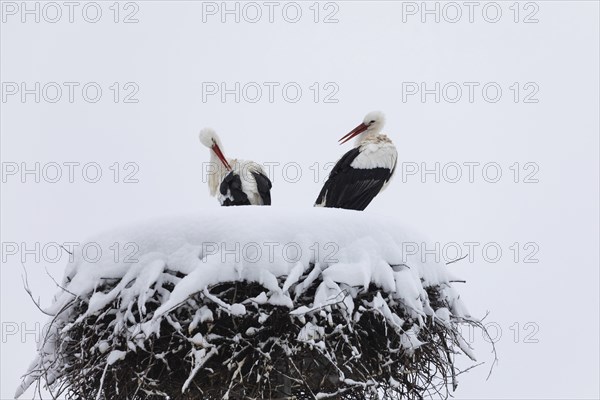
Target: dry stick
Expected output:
[443,341]
[485,331]
[302,377]
[58,285]
[43,369]
[483,328]
[458,259]
[351,387]
[343,292]
[452,262]
[470,368]
[62,247]
[447,350]
[25,280]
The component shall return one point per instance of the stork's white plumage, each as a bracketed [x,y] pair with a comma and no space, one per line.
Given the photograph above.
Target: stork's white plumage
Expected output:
[364,171]
[237,182]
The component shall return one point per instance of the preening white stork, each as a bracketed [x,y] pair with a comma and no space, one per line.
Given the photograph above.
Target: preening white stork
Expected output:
[362,172]
[239,182]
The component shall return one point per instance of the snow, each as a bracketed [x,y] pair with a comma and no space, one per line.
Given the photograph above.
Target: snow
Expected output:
[251,243]
[222,244]
[115,356]
[274,247]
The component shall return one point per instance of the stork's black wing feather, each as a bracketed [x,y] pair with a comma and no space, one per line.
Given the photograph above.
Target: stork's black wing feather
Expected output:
[264,186]
[352,188]
[232,187]
[341,165]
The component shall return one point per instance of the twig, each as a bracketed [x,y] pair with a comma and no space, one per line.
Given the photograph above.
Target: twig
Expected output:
[25,280]
[62,247]
[458,259]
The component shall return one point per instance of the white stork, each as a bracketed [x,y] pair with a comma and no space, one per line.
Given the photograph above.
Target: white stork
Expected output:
[362,172]
[239,182]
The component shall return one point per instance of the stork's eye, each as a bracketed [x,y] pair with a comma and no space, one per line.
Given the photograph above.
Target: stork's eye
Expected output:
[372,121]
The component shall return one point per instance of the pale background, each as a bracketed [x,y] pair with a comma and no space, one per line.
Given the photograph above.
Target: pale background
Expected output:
[368,53]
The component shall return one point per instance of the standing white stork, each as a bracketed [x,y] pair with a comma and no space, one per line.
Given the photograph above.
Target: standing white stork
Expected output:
[239,182]
[362,172]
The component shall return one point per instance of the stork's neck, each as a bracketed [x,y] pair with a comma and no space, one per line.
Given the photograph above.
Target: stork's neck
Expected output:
[214,159]
[216,173]
[221,169]
[365,135]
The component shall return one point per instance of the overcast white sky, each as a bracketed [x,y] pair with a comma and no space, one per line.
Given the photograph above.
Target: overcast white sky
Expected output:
[518,94]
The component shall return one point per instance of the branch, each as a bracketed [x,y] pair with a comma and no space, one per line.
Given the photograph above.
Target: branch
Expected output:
[458,259]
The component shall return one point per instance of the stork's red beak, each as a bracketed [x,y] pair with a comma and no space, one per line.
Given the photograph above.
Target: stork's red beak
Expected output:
[219,154]
[354,132]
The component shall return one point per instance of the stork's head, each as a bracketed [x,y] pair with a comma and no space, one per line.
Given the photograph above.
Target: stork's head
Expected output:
[372,124]
[209,138]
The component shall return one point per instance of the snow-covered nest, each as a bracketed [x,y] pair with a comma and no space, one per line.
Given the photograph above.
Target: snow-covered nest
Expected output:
[253,303]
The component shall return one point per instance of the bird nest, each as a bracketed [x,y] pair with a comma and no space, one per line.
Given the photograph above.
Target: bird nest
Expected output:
[227,341]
